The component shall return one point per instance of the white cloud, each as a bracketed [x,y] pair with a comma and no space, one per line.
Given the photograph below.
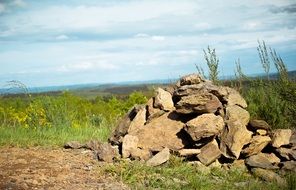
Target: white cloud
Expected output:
[19,3]
[158,38]
[62,37]
[2,8]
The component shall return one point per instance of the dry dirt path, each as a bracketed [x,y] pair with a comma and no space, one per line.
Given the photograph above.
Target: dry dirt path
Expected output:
[47,168]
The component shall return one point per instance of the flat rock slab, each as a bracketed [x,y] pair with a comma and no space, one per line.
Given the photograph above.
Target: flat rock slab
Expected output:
[256,145]
[236,113]
[260,161]
[198,103]
[209,153]
[205,125]
[268,175]
[281,137]
[160,158]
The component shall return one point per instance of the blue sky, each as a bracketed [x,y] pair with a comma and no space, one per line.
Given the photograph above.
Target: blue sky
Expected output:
[73,42]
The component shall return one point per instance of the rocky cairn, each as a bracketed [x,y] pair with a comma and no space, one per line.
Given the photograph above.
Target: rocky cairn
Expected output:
[204,123]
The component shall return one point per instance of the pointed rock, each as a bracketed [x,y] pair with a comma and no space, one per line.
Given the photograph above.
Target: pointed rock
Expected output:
[236,113]
[209,153]
[163,100]
[281,137]
[205,125]
[234,137]
[257,144]
[198,103]
[138,121]
[160,158]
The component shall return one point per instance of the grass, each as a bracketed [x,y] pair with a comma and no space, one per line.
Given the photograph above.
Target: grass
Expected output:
[50,137]
[177,174]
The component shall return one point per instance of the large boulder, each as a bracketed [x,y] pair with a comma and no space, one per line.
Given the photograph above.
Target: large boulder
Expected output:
[235,135]
[161,132]
[205,125]
[209,153]
[281,137]
[163,100]
[198,103]
[257,144]
[236,113]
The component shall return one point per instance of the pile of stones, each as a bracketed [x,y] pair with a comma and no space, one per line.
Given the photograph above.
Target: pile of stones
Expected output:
[204,123]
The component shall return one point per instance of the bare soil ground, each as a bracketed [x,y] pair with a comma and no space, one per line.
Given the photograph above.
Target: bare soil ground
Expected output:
[47,168]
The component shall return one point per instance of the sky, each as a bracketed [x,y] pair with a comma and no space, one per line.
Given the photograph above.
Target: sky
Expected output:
[46,43]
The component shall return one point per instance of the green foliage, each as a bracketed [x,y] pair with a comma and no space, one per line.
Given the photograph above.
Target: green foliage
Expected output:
[177,174]
[45,114]
[212,63]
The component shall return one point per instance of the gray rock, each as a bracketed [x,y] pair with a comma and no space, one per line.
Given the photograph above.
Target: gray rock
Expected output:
[198,103]
[289,166]
[205,125]
[209,153]
[160,158]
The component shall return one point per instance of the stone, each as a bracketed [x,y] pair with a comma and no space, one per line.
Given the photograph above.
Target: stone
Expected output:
[227,95]
[93,145]
[139,120]
[293,138]
[151,111]
[191,79]
[161,132]
[122,129]
[163,100]
[267,175]
[233,138]
[73,145]
[256,145]
[189,90]
[289,165]
[188,152]
[160,158]
[140,154]
[107,153]
[260,161]
[281,137]
[256,124]
[239,165]
[205,125]
[287,153]
[198,103]
[209,153]
[261,132]
[272,158]
[129,144]
[236,113]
